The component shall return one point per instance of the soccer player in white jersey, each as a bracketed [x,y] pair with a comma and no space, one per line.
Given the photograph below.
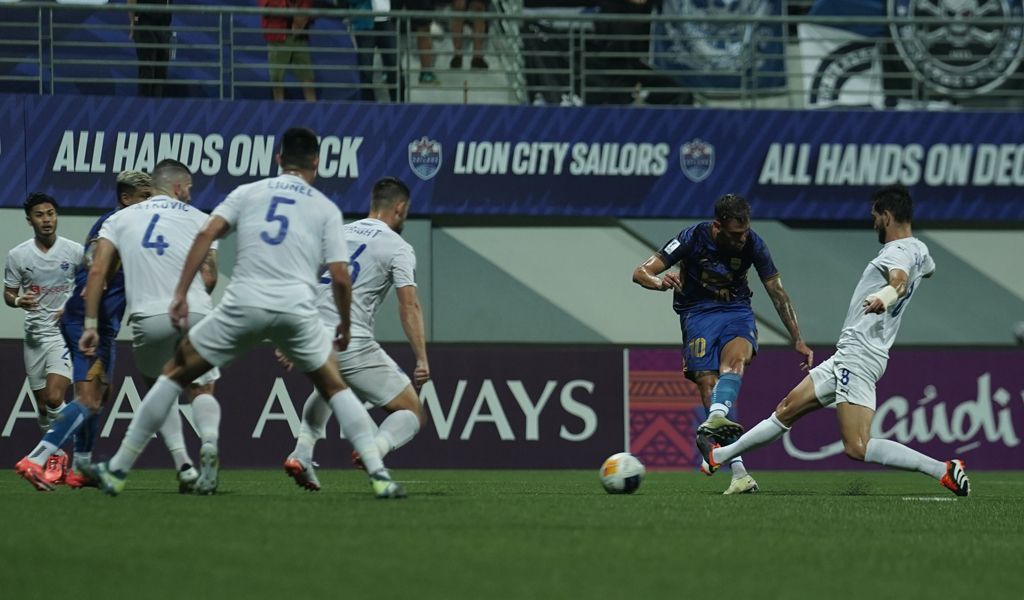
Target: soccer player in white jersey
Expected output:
[848,378]
[151,239]
[286,231]
[378,259]
[39,275]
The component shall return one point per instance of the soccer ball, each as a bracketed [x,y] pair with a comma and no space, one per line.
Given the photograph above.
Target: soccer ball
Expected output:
[622,473]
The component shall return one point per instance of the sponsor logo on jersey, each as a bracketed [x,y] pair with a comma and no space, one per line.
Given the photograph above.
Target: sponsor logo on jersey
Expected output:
[425,157]
[960,57]
[697,159]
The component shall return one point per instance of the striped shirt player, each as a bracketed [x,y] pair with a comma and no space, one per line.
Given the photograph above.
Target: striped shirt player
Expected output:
[847,379]
[285,230]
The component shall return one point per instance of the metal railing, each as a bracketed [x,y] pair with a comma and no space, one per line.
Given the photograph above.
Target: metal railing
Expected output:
[539,57]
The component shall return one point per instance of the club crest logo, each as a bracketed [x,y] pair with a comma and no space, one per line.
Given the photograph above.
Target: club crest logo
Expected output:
[716,46]
[697,159]
[957,56]
[425,157]
[64,266]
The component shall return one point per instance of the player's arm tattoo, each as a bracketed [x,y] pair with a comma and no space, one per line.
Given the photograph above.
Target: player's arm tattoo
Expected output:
[783,306]
[10,294]
[208,271]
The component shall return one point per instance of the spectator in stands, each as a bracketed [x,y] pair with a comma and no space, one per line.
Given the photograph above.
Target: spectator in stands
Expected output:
[479,30]
[368,34]
[421,31]
[151,32]
[287,39]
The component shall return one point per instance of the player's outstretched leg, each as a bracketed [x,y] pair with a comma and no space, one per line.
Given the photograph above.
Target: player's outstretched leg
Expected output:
[33,467]
[358,427]
[952,474]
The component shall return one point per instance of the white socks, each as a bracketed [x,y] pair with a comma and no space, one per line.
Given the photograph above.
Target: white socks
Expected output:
[174,439]
[762,434]
[396,430]
[358,427]
[157,404]
[206,412]
[893,454]
[315,413]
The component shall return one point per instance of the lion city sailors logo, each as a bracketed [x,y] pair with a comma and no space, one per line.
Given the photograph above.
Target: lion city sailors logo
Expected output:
[697,159]
[425,157]
[958,57]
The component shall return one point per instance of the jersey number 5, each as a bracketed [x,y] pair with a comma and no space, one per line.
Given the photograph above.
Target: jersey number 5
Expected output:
[281,220]
[158,243]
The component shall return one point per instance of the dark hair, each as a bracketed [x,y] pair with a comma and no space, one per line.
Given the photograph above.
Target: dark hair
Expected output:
[731,207]
[168,172]
[299,148]
[387,192]
[35,199]
[895,199]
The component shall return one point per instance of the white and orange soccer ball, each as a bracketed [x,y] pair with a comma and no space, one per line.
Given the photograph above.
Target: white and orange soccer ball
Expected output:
[622,473]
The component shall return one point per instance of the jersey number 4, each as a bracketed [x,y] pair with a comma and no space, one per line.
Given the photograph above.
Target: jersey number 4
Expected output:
[154,243]
[281,220]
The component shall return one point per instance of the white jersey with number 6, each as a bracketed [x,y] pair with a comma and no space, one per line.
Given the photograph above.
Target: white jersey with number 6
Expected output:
[287,230]
[153,238]
[378,258]
[871,335]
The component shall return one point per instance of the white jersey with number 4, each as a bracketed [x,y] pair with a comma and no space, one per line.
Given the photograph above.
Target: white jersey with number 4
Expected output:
[153,239]
[872,335]
[49,275]
[378,259]
[287,230]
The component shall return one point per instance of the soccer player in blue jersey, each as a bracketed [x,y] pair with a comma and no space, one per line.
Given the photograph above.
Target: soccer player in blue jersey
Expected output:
[92,374]
[712,299]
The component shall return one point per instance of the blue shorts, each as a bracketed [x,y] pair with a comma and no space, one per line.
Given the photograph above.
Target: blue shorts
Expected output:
[706,331]
[86,368]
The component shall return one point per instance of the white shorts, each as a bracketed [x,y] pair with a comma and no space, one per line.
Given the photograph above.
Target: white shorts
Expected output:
[229,331]
[44,356]
[154,341]
[842,380]
[373,375]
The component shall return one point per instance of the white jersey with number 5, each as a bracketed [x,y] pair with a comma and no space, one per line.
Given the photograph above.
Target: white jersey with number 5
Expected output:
[378,258]
[287,230]
[872,334]
[153,238]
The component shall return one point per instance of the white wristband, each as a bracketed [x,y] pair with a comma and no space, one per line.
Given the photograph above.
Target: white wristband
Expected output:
[887,295]
[90,323]
[17,301]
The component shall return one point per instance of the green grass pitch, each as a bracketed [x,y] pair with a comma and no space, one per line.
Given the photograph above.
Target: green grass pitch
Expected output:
[518,534]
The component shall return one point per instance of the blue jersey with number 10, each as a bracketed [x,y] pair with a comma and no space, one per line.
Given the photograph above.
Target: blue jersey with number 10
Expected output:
[712,276]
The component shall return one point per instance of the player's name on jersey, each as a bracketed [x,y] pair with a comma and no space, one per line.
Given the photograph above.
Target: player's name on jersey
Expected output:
[887,164]
[209,154]
[556,158]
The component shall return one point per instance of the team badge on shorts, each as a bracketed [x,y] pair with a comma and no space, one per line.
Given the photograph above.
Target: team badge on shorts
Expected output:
[697,159]
[959,57]
[425,157]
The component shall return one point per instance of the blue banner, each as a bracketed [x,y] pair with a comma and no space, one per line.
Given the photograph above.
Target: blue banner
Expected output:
[523,160]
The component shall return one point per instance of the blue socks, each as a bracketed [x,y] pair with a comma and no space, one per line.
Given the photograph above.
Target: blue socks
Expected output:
[70,421]
[85,439]
[724,395]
